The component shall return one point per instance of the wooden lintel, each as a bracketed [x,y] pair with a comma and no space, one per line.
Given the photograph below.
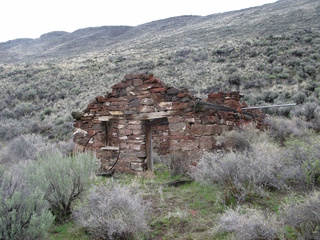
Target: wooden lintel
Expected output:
[109,118]
[153,115]
[140,116]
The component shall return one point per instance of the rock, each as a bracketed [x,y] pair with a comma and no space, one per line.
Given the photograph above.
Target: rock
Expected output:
[147,109]
[172,91]
[147,101]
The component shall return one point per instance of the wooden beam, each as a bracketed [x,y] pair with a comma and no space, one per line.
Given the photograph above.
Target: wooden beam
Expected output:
[153,115]
[140,116]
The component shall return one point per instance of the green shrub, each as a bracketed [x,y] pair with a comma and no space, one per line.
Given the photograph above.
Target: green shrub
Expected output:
[24,214]
[113,212]
[63,179]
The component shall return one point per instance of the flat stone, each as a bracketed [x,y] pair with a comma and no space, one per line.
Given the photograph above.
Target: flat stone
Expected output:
[147,109]
[163,106]
[177,127]
[134,126]
[147,101]
[201,130]
[144,87]
[116,113]
[158,90]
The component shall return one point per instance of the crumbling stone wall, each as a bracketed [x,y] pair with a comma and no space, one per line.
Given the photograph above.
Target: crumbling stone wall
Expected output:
[116,125]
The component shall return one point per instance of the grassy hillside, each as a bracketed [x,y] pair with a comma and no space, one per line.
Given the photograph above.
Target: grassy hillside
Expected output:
[271,53]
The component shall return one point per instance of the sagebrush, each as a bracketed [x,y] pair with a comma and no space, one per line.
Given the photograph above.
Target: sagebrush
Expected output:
[243,174]
[113,212]
[303,215]
[248,223]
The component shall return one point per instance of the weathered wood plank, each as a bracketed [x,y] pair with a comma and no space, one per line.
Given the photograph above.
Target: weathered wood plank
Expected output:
[110,148]
[154,115]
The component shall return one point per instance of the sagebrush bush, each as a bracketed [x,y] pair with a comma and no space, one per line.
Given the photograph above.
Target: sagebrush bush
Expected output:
[24,213]
[178,163]
[302,157]
[24,148]
[113,212]
[310,112]
[282,128]
[247,223]
[306,110]
[243,174]
[242,139]
[303,215]
[63,179]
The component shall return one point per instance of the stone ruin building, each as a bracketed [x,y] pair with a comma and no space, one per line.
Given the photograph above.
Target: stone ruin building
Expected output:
[142,115]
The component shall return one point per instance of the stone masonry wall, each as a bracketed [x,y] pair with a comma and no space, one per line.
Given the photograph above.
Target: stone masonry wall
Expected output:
[115,124]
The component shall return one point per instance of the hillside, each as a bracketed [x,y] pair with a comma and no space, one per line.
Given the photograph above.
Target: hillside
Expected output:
[271,53]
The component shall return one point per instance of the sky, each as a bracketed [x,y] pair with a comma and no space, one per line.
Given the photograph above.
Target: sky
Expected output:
[32,18]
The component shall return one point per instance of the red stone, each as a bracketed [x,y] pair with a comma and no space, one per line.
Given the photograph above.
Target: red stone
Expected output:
[158,90]
[182,95]
[177,105]
[215,95]
[118,85]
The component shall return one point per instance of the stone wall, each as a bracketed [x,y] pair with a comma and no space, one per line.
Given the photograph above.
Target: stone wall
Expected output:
[115,125]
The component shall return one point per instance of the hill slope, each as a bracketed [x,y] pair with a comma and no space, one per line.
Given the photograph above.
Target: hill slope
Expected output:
[277,18]
[271,53]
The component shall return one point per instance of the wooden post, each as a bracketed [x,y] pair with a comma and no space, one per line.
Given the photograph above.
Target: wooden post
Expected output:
[149,147]
[106,133]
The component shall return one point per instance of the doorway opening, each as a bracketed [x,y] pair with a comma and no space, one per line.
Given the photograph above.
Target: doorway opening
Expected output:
[156,136]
